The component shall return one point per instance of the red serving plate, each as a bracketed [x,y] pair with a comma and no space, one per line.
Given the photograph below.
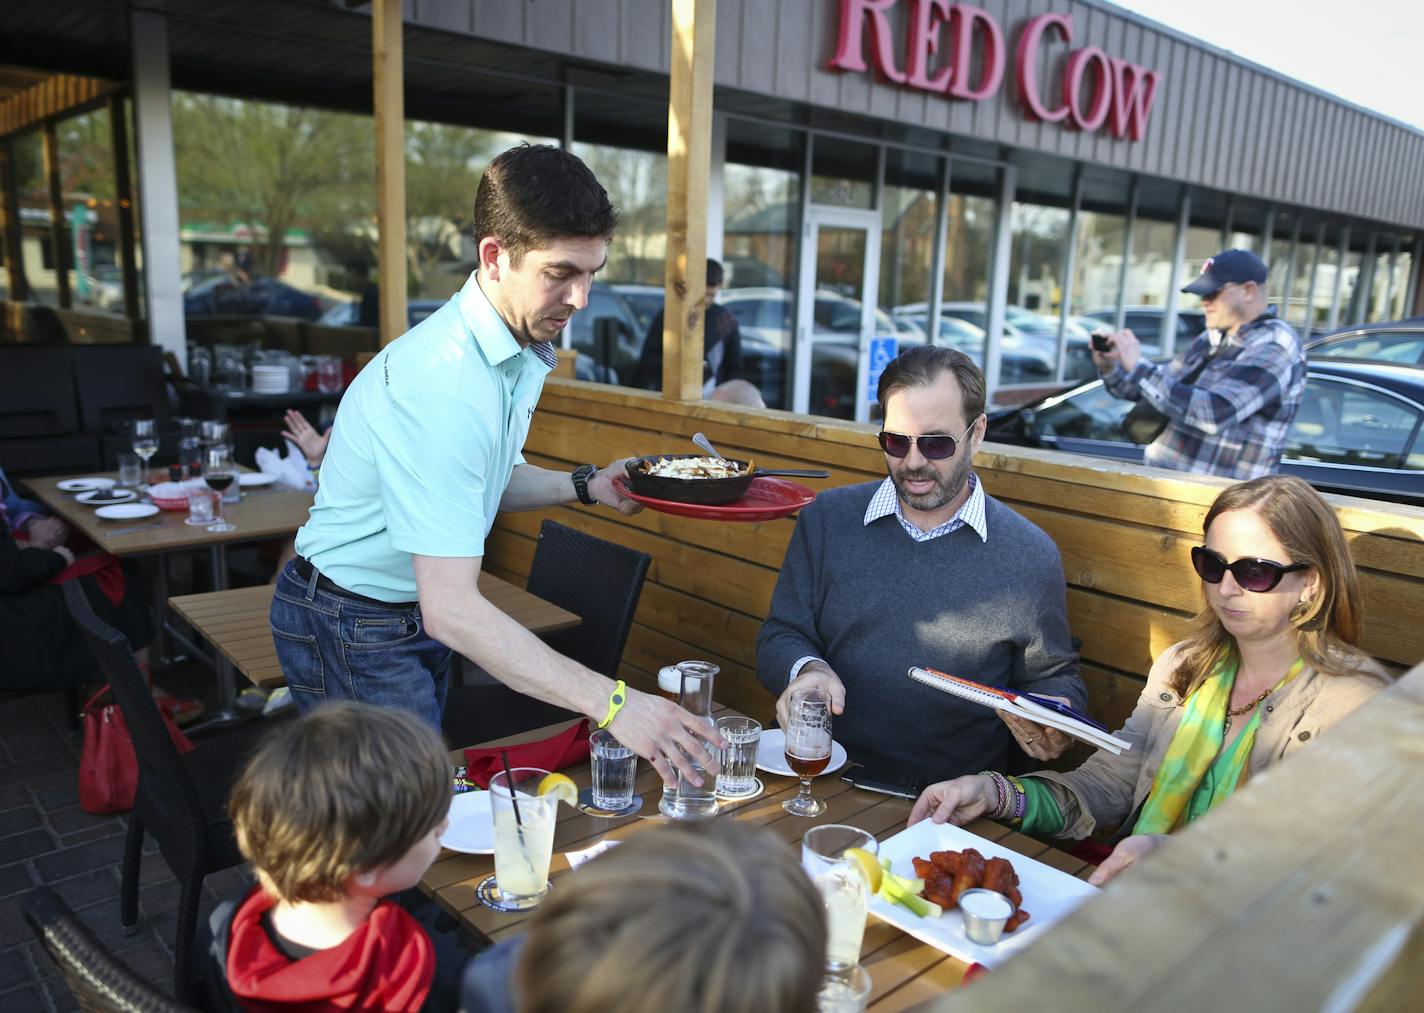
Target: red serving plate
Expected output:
[766,500]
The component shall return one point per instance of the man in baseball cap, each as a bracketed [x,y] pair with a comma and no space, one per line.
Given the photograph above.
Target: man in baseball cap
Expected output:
[1226,403]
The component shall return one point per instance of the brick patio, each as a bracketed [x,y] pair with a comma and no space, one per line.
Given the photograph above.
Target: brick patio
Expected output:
[45,838]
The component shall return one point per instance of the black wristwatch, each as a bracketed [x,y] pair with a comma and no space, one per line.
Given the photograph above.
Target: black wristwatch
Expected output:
[581,477]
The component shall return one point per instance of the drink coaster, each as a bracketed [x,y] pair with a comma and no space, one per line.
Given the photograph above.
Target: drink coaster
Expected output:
[488,894]
[586,806]
[757,789]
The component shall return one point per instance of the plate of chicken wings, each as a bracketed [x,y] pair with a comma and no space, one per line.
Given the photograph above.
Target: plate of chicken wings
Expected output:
[1046,894]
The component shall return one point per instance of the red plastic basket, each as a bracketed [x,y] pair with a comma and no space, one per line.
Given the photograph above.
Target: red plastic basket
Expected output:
[177,503]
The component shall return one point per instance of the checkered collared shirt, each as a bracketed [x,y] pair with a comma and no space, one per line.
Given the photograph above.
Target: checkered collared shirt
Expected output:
[1234,419]
[885,502]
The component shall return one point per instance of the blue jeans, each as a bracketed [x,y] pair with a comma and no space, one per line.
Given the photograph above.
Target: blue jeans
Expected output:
[332,646]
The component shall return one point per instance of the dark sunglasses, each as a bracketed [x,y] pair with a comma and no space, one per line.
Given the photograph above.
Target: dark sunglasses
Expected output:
[1257,575]
[935,448]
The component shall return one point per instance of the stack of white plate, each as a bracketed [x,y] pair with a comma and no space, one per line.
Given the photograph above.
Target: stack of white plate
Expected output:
[270,379]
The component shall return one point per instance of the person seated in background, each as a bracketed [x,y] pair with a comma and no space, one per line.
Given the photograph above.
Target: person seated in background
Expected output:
[922,568]
[312,444]
[31,524]
[723,375]
[334,812]
[1270,663]
[711,918]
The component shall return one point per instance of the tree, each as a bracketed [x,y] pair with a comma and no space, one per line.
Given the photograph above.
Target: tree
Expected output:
[443,165]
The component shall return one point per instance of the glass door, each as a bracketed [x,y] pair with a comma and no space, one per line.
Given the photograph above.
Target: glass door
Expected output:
[837,324]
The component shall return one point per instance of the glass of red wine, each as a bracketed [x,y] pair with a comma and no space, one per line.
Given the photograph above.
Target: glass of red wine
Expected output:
[219,474]
[808,747]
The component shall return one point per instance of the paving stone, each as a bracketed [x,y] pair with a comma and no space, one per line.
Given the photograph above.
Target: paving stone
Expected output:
[14,879]
[159,899]
[13,927]
[69,861]
[13,795]
[87,888]
[31,843]
[13,821]
[50,747]
[40,959]
[25,771]
[72,818]
[57,790]
[232,882]
[14,968]
[151,963]
[24,720]
[59,994]
[92,834]
[23,1000]
[153,869]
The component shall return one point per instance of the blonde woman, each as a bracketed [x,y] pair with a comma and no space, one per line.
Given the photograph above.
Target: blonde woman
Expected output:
[1270,663]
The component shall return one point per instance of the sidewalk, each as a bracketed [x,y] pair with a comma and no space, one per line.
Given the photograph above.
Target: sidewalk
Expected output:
[45,838]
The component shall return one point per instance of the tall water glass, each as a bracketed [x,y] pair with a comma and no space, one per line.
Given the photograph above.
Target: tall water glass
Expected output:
[130,470]
[841,885]
[737,776]
[524,824]
[844,992]
[614,767]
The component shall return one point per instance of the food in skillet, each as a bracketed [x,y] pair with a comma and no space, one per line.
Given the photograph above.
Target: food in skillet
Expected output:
[693,468]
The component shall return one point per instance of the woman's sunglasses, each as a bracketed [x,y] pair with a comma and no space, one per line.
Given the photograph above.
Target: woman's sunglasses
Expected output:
[935,448]
[1257,575]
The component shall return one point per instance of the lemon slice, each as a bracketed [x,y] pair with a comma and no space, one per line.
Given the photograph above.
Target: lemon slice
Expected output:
[561,786]
[868,866]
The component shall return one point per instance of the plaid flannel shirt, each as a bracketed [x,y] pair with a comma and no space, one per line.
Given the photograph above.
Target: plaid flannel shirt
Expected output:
[1234,419]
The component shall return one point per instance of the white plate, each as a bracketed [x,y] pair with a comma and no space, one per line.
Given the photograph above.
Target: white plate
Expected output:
[84,484]
[771,754]
[100,497]
[1048,894]
[126,511]
[249,479]
[471,828]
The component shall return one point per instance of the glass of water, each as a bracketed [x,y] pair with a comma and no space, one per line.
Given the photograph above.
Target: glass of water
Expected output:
[737,776]
[614,767]
[130,470]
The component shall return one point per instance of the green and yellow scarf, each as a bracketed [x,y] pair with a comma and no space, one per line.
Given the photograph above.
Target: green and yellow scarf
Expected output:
[1192,777]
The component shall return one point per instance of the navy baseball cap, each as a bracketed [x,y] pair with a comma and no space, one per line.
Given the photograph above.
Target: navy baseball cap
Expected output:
[1227,268]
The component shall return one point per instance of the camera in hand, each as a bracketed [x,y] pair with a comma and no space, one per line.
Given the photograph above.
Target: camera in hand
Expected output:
[1102,341]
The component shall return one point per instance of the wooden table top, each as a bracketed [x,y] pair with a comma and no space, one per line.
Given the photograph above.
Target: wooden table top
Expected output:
[266,512]
[905,971]
[235,622]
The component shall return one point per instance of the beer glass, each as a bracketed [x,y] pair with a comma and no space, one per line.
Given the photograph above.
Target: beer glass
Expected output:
[808,747]
[524,824]
[736,777]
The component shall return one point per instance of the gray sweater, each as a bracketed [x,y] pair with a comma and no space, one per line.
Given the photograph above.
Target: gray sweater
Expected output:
[873,602]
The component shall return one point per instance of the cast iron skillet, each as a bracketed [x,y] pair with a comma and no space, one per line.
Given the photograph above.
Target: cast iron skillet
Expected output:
[703,491]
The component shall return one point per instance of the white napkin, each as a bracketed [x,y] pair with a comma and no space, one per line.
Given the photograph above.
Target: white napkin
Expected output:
[290,470]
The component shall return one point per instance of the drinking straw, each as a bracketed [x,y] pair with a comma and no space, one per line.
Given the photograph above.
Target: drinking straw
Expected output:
[513,795]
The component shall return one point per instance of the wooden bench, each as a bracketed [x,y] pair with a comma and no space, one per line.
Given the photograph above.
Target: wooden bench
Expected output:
[235,622]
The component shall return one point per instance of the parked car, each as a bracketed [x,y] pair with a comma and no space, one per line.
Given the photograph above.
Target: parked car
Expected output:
[1146,323]
[347,314]
[1401,341]
[261,297]
[614,363]
[1358,430]
[644,300]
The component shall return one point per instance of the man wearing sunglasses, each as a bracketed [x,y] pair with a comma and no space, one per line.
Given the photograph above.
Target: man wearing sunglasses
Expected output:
[1230,397]
[923,568]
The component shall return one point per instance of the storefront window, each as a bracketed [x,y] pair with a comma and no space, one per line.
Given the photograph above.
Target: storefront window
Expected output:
[1297,307]
[1350,311]
[1203,243]
[1149,274]
[1376,300]
[1036,258]
[842,172]
[636,182]
[1277,265]
[761,207]
[968,252]
[907,237]
[1399,292]
[1324,291]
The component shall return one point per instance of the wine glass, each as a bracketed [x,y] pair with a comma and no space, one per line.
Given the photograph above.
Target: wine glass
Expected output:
[145,442]
[808,747]
[219,474]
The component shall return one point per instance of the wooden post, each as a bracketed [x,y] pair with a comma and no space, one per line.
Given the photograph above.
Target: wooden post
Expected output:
[58,240]
[386,51]
[123,187]
[18,290]
[694,25]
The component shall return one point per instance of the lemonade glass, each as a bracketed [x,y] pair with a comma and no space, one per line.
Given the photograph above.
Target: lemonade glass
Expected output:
[523,846]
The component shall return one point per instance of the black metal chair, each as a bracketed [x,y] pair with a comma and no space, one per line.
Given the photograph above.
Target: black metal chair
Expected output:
[181,798]
[98,980]
[599,581]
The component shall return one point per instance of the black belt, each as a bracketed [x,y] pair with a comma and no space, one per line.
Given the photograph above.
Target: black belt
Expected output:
[304,570]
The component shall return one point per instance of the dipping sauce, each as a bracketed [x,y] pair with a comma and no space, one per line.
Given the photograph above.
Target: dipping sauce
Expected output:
[985,913]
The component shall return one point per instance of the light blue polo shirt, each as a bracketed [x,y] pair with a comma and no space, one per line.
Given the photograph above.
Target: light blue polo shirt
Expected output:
[424,443]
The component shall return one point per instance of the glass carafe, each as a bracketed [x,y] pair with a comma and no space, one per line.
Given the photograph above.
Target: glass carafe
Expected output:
[687,800]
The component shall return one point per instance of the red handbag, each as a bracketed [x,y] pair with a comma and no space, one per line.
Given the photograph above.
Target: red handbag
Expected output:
[108,767]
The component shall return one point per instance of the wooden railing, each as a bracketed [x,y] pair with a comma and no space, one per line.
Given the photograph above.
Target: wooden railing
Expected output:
[1125,534]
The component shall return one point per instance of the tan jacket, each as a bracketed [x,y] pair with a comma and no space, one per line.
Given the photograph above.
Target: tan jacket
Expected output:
[1107,789]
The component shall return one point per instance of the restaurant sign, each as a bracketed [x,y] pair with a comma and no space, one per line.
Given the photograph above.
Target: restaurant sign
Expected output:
[1093,88]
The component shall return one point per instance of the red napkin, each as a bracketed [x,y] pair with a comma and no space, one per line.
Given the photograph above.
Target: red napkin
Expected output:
[107,571]
[568,747]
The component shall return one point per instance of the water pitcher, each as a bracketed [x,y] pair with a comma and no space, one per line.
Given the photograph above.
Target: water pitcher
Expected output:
[687,800]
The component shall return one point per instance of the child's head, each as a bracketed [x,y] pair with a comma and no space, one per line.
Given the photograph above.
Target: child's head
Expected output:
[718,917]
[349,797]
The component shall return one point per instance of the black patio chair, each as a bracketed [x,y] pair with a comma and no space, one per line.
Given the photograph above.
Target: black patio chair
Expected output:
[96,978]
[597,580]
[181,798]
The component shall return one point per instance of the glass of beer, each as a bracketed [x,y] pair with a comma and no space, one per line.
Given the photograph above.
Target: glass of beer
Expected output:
[670,683]
[808,747]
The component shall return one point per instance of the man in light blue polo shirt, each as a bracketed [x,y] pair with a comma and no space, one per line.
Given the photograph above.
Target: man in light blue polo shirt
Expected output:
[426,449]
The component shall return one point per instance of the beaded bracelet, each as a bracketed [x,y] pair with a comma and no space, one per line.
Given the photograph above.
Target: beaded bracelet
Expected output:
[998,793]
[1020,799]
[1008,795]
